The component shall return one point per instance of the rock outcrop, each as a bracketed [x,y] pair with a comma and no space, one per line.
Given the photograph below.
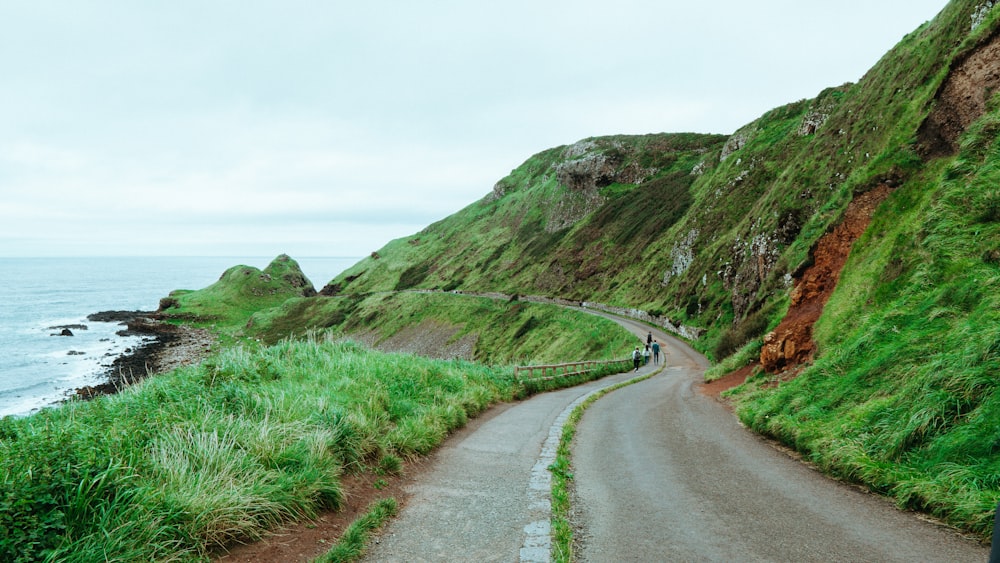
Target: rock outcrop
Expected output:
[589,166]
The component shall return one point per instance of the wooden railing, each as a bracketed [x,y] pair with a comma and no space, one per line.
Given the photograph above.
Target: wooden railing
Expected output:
[544,373]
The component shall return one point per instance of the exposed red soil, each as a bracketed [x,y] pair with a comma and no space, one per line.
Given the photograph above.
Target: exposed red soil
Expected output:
[305,541]
[791,343]
[715,388]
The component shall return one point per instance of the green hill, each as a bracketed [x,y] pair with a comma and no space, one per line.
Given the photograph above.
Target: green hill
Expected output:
[240,291]
[885,371]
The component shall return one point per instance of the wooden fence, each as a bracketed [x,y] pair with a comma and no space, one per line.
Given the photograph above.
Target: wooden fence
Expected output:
[544,373]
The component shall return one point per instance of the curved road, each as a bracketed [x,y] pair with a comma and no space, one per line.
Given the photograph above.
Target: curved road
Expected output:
[662,473]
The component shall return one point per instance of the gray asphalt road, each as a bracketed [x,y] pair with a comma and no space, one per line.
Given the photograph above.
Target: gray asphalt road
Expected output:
[664,473]
[486,495]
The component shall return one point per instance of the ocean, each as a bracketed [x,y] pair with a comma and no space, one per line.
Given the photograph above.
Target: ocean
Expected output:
[39,296]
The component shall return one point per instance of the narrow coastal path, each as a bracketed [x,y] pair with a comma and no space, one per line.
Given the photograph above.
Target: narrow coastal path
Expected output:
[662,473]
[485,495]
[665,473]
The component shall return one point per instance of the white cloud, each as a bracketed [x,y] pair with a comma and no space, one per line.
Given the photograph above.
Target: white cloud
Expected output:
[208,128]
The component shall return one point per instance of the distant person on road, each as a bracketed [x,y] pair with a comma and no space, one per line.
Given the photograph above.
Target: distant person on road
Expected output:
[645,355]
[636,358]
[649,338]
[656,352]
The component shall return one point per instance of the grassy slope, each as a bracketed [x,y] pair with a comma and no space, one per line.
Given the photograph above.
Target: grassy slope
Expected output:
[903,396]
[683,243]
[240,291]
[510,243]
[706,241]
[184,463]
[506,332]
[269,306]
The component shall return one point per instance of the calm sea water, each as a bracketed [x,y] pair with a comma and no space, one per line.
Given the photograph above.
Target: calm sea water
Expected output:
[37,294]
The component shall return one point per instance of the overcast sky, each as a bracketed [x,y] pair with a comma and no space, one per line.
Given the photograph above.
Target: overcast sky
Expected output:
[328,128]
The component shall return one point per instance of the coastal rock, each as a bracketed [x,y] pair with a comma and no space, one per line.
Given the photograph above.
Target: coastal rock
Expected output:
[736,141]
[66,330]
[588,167]
[164,347]
[117,316]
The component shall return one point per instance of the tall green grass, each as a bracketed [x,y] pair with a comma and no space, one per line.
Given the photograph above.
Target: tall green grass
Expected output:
[351,545]
[183,464]
[186,463]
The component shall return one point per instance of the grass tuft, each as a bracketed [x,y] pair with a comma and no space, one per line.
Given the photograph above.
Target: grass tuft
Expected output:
[351,545]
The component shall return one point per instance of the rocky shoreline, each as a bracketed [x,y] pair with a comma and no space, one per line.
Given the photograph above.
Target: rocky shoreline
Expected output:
[164,347]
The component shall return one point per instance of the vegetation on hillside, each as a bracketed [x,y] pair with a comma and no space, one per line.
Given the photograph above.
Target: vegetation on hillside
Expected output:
[504,331]
[249,304]
[571,222]
[240,292]
[706,229]
[904,397]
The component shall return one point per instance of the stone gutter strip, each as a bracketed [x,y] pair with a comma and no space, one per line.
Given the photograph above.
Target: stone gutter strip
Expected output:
[537,544]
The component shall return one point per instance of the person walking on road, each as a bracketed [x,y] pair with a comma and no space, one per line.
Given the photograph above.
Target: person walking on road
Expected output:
[645,355]
[636,358]
[656,352]
[649,338]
